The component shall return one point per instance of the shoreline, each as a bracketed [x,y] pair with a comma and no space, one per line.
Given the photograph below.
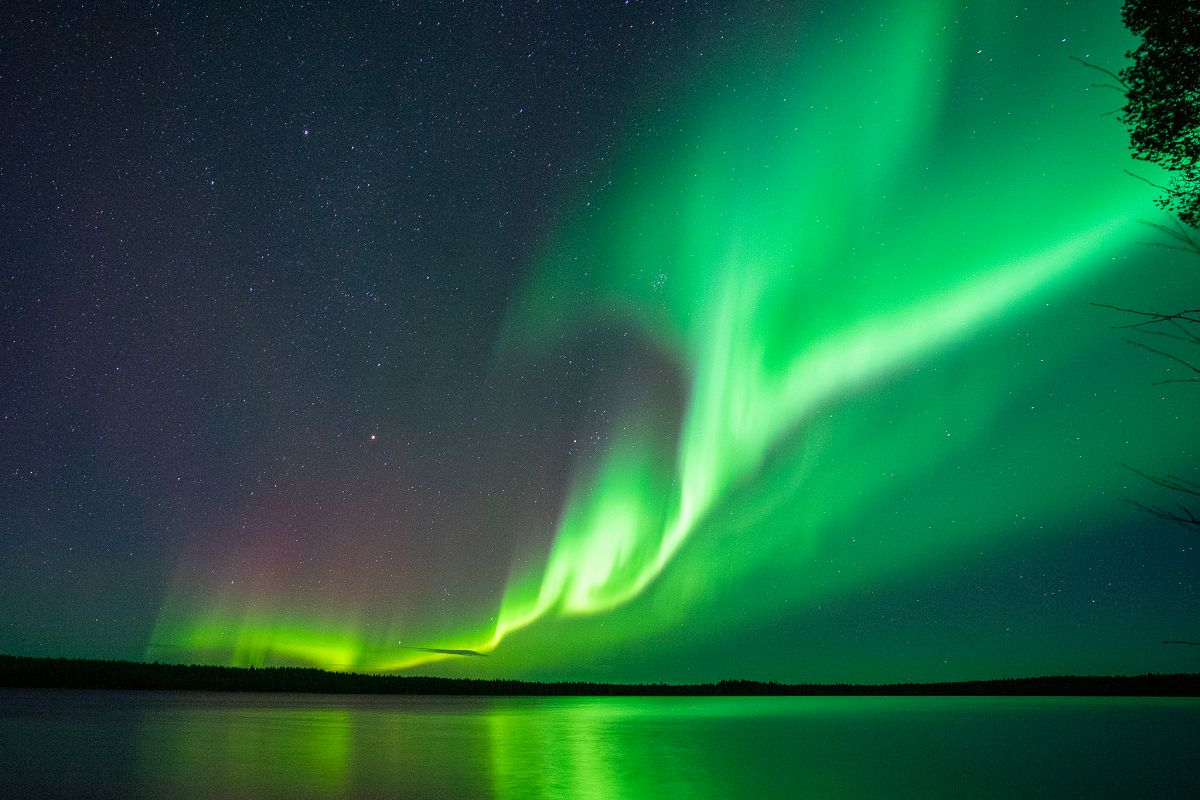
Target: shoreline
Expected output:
[28,672]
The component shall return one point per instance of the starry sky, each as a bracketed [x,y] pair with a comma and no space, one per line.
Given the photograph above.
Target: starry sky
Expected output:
[621,341]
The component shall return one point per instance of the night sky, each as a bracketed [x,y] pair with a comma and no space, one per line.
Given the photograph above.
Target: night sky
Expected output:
[613,341]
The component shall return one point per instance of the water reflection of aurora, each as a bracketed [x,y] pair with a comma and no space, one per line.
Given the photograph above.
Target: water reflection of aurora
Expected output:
[864,252]
[310,746]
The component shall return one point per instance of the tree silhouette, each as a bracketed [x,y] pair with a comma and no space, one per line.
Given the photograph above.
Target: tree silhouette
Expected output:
[1162,114]
[1162,97]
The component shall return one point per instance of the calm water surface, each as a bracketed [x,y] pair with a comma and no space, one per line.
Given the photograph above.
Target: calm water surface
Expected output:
[201,745]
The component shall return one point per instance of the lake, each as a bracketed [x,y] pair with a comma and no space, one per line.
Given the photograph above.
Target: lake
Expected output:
[57,743]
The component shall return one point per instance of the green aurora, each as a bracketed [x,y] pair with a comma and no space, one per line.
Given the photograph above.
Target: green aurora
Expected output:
[851,262]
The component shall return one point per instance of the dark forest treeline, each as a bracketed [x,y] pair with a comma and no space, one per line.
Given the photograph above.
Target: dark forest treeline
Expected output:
[63,673]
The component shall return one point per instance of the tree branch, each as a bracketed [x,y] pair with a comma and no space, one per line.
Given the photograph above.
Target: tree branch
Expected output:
[1165,354]
[1177,232]
[1155,316]
[1145,180]
[1121,85]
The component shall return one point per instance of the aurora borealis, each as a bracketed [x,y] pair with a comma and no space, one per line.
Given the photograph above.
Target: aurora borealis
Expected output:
[639,342]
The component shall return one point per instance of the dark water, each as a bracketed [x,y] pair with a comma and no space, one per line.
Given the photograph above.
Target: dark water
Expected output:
[181,745]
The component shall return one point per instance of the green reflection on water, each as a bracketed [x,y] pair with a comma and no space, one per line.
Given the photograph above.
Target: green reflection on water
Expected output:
[224,746]
[219,751]
[668,747]
[539,755]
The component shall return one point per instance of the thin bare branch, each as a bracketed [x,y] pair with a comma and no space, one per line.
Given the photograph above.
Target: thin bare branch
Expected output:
[1121,85]
[1189,519]
[1165,354]
[1186,336]
[1145,180]
[1186,241]
[1153,316]
[1172,482]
